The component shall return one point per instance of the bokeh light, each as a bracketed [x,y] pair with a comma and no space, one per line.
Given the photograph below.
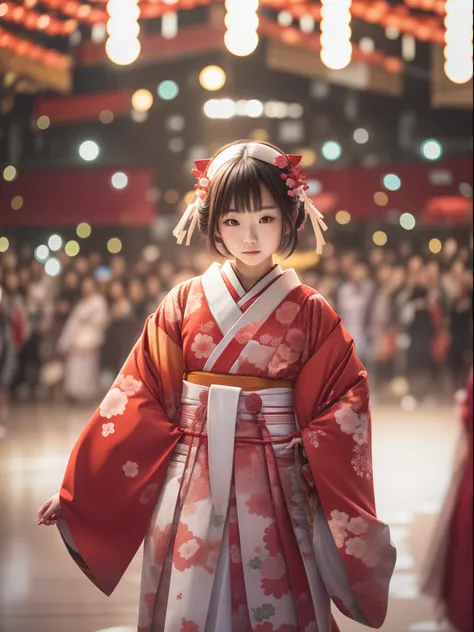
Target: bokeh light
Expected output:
[240,44]
[106,117]
[10,173]
[53,267]
[114,245]
[361,136]
[83,230]
[171,196]
[119,180]
[432,149]
[72,248]
[331,150]
[260,134]
[55,243]
[89,150]
[392,182]
[407,221]
[381,198]
[4,244]
[122,52]
[43,122]
[380,238]
[17,203]
[142,100]
[168,90]
[435,246]
[41,253]
[343,217]
[212,78]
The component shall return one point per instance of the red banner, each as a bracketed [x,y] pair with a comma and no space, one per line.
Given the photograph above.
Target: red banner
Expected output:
[68,197]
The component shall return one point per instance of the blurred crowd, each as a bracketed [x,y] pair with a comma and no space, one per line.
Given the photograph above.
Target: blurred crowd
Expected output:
[68,335]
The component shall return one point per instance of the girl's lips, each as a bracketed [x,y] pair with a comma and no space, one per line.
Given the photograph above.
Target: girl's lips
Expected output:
[251,252]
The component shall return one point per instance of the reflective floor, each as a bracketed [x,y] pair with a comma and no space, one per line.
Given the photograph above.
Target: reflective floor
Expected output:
[41,590]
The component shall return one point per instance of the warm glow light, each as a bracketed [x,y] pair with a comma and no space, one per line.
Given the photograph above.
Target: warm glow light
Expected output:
[89,150]
[123,52]
[435,246]
[241,44]
[114,245]
[336,47]
[83,230]
[72,248]
[17,203]
[4,244]
[122,28]
[142,100]
[254,108]
[458,50]
[10,173]
[380,238]
[212,78]
[343,218]
[381,198]
[43,122]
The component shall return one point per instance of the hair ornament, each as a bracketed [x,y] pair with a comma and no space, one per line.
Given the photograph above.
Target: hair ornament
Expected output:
[292,173]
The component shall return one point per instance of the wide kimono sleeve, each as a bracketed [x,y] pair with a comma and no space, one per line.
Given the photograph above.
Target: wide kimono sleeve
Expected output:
[119,463]
[355,555]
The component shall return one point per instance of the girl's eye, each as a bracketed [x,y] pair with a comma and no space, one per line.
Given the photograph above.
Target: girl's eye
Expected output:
[227,222]
[266,220]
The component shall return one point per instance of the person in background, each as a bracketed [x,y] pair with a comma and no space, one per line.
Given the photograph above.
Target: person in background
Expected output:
[353,302]
[448,573]
[80,342]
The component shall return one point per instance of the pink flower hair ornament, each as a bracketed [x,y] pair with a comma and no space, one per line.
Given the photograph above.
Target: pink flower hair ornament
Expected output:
[292,173]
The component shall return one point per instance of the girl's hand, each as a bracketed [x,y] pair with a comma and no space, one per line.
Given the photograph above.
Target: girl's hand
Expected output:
[49,514]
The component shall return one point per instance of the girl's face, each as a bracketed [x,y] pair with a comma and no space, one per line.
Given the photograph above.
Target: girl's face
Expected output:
[255,235]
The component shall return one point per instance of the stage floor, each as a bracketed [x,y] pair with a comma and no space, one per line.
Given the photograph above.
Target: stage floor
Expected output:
[41,590]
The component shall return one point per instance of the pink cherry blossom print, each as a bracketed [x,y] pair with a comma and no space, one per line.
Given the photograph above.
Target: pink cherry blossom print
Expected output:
[360,435]
[245,334]
[357,526]
[130,469]
[193,304]
[348,420]
[258,354]
[130,385]
[148,494]
[356,547]
[203,346]
[287,313]
[114,403]
[160,543]
[296,339]
[188,626]
[108,429]
[235,555]
[188,549]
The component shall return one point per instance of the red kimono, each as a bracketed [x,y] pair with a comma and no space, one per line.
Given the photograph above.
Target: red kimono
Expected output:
[191,452]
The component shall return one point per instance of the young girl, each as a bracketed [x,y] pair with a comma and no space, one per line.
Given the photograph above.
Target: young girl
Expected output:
[236,441]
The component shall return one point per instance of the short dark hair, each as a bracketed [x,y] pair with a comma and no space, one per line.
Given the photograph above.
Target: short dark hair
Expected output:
[239,182]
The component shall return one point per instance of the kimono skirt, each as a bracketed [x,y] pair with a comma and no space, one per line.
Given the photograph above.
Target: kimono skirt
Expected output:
[229,545]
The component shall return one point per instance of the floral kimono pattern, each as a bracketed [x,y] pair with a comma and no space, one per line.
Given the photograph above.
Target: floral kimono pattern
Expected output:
[244,528]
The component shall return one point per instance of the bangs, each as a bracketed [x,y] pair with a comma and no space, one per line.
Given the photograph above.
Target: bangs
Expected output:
[238,186]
